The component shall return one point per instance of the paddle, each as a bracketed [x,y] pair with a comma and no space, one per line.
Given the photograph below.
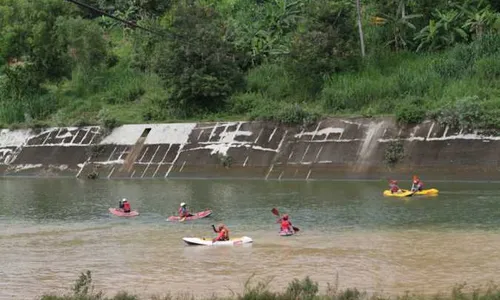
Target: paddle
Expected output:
[277,213]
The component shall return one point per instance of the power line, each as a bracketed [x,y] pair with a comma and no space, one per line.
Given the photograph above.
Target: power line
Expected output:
[101,12]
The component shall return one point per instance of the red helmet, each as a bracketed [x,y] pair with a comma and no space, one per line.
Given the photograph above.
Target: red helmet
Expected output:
[285,217]
[394,181]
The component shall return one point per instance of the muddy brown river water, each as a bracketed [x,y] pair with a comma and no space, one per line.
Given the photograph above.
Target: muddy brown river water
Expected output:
[53,229]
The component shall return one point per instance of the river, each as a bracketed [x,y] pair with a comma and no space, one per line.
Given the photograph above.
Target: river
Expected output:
[53,229]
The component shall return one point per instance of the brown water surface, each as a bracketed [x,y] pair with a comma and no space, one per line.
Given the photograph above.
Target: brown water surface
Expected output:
[53,229]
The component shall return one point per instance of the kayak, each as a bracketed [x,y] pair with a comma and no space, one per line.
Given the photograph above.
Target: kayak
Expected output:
[196,216]
[407,193]
[286,233]
[119,212]
[194,241]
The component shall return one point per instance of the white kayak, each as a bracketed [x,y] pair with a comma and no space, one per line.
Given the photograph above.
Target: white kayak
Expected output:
[194,241]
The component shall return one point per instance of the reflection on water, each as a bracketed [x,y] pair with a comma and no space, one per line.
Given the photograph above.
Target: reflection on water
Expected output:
[50,230]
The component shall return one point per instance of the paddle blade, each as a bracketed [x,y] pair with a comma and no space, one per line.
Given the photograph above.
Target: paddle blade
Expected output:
[296,229]
[182,220]
[275,212]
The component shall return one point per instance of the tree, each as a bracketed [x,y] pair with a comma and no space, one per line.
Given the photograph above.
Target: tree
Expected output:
[326,43]
[360,28]
[199,64]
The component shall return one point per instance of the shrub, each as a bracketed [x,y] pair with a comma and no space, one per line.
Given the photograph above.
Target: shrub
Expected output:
[394,153]
[351,92]
[488,68]
[271,80]
[107,121]
[290,114]
[303,289]
[469,113]
[410,111]
[455,64]
[246,103]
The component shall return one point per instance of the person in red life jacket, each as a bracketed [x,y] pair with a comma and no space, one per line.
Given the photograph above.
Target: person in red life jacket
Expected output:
[417,185]
[223,233]
[183,211]
[393,185]
[286,225]
[126,206]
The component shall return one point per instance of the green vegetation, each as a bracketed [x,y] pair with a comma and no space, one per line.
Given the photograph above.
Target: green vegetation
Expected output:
[304,289]
[291,61]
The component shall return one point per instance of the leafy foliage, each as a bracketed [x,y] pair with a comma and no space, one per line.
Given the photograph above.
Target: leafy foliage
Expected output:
[289,61]
[200,66]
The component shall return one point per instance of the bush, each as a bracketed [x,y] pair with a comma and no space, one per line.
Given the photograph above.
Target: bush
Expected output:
[351,92]
[455,64]
[470,113]
[107,121]
[296,114]
[290,114]
[394,153]
[488,68]
[410,111]
[303,289]
[271,80]
[246,103]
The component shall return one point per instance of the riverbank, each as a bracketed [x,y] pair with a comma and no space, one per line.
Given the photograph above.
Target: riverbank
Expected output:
[304,289]
[333,148]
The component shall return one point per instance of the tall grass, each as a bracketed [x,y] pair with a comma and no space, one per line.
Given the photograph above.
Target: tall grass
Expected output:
[124,92]
[409,86]
[304,289]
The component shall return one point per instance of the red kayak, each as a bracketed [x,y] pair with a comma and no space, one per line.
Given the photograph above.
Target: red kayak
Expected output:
[119,212]
[196,216]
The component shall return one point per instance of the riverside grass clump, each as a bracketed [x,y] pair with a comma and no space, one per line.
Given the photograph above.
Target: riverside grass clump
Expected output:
[305,289]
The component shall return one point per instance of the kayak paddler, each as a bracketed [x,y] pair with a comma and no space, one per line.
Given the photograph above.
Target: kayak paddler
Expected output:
[286,224]
[393,185]
[417,184]
[183,211]
[223,233]
[126,206]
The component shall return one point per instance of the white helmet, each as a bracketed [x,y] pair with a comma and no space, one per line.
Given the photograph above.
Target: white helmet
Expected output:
[124,200]
[183,204]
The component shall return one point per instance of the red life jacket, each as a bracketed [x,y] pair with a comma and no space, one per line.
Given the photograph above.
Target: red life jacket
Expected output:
[285,225]
[223,235]
[126,206]
[394,188]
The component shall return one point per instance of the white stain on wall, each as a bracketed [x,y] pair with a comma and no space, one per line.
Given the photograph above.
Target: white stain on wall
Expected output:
[14,138]
[160,134]
[325,131]
[227,140]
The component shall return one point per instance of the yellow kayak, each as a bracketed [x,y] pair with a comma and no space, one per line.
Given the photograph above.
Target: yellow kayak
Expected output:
[407,193]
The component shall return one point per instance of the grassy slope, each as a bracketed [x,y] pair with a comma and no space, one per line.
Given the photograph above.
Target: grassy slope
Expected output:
[385,86]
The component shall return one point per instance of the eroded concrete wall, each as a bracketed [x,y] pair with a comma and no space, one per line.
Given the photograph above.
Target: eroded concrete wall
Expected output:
[334,148]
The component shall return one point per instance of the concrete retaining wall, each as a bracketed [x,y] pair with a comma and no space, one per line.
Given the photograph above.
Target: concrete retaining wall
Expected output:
[334,148]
